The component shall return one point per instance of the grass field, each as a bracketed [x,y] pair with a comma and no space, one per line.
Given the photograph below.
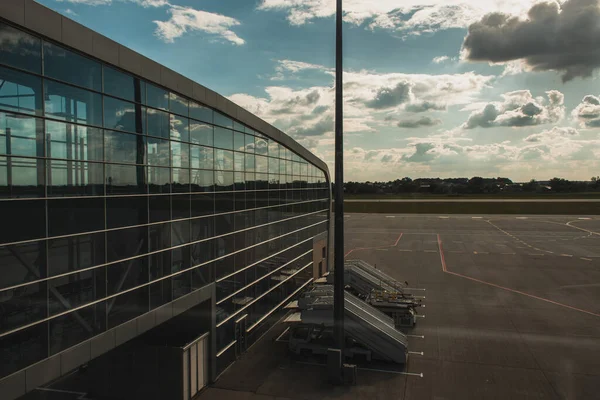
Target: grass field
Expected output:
[423,196]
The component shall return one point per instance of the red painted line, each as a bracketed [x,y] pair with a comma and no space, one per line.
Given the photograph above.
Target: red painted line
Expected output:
[442,258]
[444,268]
[397,240]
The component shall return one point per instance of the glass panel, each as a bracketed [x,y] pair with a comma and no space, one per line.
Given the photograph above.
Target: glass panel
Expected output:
[181,180]
[180,232]
[180,128]
[201,133]
[249,143]
[158,123]
[158,152]
[203,204]
[124,147]
[20,50]
[74,215]
[128,306]
[67,292]
[223,138]
[21,135]
[20,91]
[222,120]
[160,208]
[157,97]
[124,116]
[64,65]
[125,179]
[180,205]
[273,149]
[202,157]
[273,165]
[75,178]
[178,104]
[262,164]
[126,275]
[202,180]
[125,243]
[159,180]
[180,153]
[261,147]
[22,306]
[73,142]
[240,184]
[223,180]
[201,113]
[250,162]
[126,211]
[23,348]
[119,84]
[27,219]
[238,126]
[22,263]
[238,141]
[238,161]
[223,160]
[71,104]
[81,325]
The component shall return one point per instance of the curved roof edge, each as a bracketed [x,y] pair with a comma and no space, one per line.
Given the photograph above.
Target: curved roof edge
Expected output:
[46,22]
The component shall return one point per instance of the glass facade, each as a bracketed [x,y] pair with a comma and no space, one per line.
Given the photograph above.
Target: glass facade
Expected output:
[118,196]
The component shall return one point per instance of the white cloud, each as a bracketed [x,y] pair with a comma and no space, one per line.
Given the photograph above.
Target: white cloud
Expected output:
[70,12]
[519,108]
[587,113]
[411,16]
[143,3]
[88,2]
[440,59]
[186,19]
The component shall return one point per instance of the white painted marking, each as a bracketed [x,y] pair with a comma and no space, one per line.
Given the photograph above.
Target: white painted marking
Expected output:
[390,216]
[583,218]
[81,394]
[420,375]
[534,254]
[420,353]
[443,217]
[420,316]
[404,250]
[382,249]
[430,251]
[476,217]
[566,255]
[416,336]
[508,253]
[586,259]
[282,333]
[412,288]
[522,217]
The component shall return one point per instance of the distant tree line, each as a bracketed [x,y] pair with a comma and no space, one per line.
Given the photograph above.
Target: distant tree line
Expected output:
[474,185]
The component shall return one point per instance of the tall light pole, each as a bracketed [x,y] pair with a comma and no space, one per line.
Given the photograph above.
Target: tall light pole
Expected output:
[338,285]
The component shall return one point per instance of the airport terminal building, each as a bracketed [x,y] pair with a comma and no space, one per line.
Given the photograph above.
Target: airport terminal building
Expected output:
[130,197]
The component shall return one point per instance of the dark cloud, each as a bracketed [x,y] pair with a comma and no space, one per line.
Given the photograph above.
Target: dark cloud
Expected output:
[484,118]
[418,123]
[387,97]
[588,112]
[561,38]
[289,105]
[425,106]
[319,128]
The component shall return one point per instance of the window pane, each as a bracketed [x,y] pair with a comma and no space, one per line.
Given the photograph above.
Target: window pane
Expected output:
[273,149]
[20,50]
[180,206]
[75,216]
[124,116]
[125,179]
[22,263]
[72,104]
[223,138]
[223,180]
[160,208]
[75,252]
[238,127]
[21,177]
[202,157]
[222,120]
[201,133]
[128,306]
[262,164]
[20,91]
[261,147]
[157,97]
[158,123]
[21,135]
[223,160]
[178,104]
[202,180]
[124,147]
[180,154]
[181,180]
[74,290]
[23,348]
[126,275]
[238,161]
[250,160]
[249,143]
[201,113]
[273,165]
[75,178]
[238,141]
[64,65]
[23,305]
[180,128]
[118,84]
[94,318]
[159,180]
[125,243]
[126,211]
[73,142]
[158,152]
[27,219]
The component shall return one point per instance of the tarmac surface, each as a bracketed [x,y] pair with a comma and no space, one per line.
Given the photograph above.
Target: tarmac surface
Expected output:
[512,311]
[482,200]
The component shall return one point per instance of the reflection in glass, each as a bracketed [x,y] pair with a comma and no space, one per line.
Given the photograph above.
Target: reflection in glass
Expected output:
[223,138]
[158,123]
[126,243]
[19,49]
[81,325]
[202,180]
[21,135]
[178,104]
[201,113]
[273,165]
[180,128]
[261,147]
[67,292]
[20,92]
[159,180]
[223,180]
[222,120]
[249,143]
[64,65]
[22,263]
[75,215]
[202,157]
[75,178]
[124,147]
[125,179]
[238,141]
[21,177]
[157,97]
[126,211]
[127,306]
[180,154]
[124,116]
[73,142]
[181,180]
[119,84]
[72,104]
[249,161]
[238,161]
[201,133]
[158,152]
[22,306]
[262,164]
[223,160]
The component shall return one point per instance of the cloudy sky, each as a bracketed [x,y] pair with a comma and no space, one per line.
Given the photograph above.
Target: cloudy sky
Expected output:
[432,88]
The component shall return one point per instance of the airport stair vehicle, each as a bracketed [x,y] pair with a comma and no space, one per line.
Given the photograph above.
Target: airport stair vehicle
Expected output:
[369,332]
